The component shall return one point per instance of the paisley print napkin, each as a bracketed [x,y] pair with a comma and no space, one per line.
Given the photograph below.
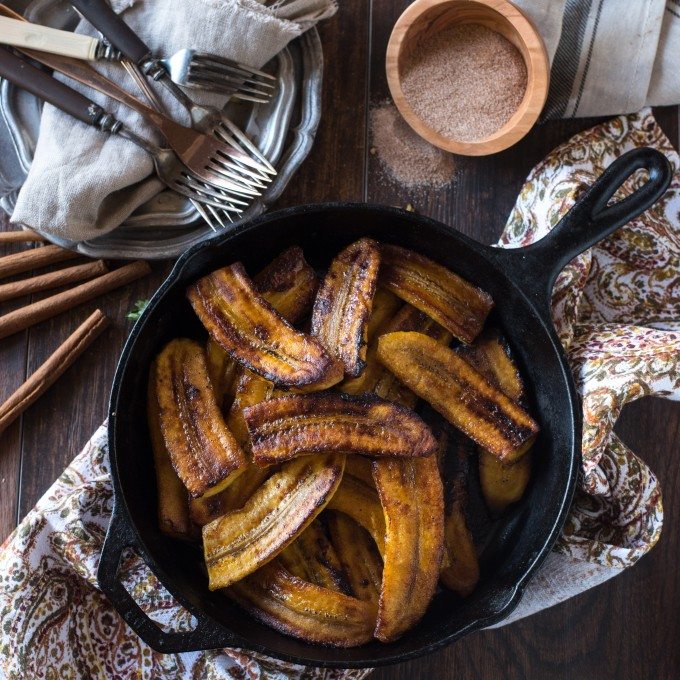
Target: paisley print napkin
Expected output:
[617,310]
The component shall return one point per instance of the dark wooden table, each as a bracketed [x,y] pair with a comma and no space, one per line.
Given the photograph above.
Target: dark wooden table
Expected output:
[627,628]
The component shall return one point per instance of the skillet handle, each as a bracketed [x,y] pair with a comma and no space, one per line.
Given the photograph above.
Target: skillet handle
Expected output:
[590,220]
[208,634]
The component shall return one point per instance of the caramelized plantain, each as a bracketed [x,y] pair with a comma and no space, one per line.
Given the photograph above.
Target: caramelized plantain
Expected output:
[490,355]
[460,569]
[312,557]
[358,555]
[241,541]
[250,389]
[173,512]
[305,610]
[360,467]
[344,302]
[501,484]
[286,427]
[408,318]
[222,371]
[461,394]
[412,500]
[376,378]
[207,508]
[288,284]
[385,306]
[246,326]
[450,300]
[360,502]
[203,452]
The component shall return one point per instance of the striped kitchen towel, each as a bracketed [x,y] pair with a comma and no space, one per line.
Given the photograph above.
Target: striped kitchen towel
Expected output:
[608,56]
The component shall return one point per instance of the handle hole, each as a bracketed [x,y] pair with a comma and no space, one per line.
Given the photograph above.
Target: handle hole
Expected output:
[151,596]
[636,181]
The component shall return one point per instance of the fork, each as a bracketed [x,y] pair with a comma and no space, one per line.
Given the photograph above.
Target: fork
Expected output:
[186,67]
[213,215]
[207,119]
[168,168]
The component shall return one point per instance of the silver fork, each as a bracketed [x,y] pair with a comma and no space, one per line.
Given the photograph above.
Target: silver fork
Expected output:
[207,119]
[219,74]
[186,67]
[168,167]
[213,215]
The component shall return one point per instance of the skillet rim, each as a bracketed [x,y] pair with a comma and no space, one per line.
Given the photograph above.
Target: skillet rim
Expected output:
[499,259]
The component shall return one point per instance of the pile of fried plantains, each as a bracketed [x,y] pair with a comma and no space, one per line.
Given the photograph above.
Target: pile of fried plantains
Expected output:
[289,443]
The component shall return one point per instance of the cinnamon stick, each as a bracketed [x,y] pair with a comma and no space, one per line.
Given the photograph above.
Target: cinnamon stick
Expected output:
[33,259]
[62,277]
[19,319]
[19,236]
[56,364]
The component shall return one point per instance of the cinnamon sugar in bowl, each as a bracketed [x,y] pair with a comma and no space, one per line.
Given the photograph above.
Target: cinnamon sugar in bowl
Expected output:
[469,76]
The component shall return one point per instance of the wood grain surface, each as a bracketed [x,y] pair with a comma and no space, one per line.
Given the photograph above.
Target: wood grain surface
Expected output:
[626,629]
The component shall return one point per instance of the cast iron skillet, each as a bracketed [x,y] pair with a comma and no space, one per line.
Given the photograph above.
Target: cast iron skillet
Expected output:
[520,282]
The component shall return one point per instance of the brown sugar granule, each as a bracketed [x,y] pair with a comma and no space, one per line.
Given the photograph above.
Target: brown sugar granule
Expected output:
[406,157]
[465,82]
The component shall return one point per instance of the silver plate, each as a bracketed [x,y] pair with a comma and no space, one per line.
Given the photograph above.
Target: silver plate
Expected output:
[168,224]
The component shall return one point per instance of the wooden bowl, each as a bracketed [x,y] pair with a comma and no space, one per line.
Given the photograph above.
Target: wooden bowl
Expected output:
[424,18]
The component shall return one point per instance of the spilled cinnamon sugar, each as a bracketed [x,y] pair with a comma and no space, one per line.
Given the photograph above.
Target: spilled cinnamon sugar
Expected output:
[406,157]
[465,82]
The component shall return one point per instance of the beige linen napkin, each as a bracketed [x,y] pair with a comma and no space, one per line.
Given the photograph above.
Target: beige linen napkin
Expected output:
[609,56]
[617,312]
[82,183]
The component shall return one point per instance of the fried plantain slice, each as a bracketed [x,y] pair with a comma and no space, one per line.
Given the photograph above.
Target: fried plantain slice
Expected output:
[222,371]
[450,300]
[360,467]
[360,501]
[173,508]
[246,326]
[286,427]
[312,557]
[461,394]
[304,610]
[250,389]
[344,302]
[241,541]
[501,484]
[203,452]
[207,508]
[412,500]
[358,556]
[490,355]
[375,377]
[460,568]
[288,284]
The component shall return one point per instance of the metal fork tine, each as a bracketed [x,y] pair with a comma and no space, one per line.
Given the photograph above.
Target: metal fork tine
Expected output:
[198,185]
[228,76]
[203,212]
[220,171]
[234,89]
[227,130]
[210,61]
[219,166]
[217,214]
[181,186]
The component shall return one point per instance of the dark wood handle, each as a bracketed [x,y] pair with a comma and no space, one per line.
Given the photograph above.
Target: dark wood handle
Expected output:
[119,34]
[42,85]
